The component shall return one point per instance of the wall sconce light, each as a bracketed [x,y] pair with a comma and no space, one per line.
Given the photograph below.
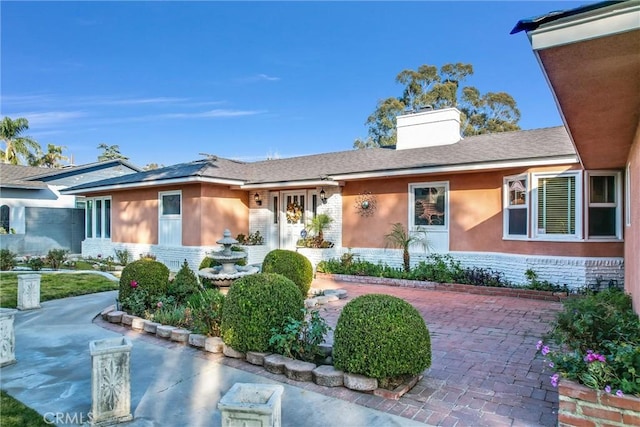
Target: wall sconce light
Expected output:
[257,199]
[323,196]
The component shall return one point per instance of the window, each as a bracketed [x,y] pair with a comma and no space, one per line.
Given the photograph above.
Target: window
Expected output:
[98,218]
[604,209]
[275,209]
[5,218]
[516,212]
[627,195]
[171,204]
[558,206]
[428,205]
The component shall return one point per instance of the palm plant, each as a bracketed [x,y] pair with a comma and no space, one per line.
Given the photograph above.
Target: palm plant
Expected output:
[318,224]
[401,239]
[16,146]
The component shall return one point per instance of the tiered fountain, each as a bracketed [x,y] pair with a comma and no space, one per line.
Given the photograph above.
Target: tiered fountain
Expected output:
[228,270]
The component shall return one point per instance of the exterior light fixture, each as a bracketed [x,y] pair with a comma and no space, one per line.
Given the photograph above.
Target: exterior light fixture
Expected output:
[323,196]
[257,199]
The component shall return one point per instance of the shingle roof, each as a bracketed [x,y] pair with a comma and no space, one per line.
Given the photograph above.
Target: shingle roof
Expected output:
[529,145]
[16,176]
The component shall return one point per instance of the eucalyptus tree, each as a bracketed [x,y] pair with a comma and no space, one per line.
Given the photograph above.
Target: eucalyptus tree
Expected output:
[18,147]
[441,88]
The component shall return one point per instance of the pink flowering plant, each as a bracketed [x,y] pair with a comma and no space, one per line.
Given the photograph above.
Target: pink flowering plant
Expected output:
[595,341]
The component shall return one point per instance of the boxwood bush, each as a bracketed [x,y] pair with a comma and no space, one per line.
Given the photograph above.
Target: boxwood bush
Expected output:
[382,337]
[292,265]
[254,305]
[184,284]
[150,277]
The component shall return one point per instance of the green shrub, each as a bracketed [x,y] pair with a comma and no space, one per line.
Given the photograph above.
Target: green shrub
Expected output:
[206,312]
[587,323]
[382,337]
[292,265]
[301,339]
[173,315]
[184,284]
[35,263]
[145,276]
[7,259]
[123,256]
[256,304]
[599,343]
[55,257]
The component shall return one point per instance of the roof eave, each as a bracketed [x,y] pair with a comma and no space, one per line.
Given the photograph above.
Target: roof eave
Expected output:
[144,184]
[466,167]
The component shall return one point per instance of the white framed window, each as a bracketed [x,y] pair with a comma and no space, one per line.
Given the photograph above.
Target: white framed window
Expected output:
[557,206]
[604,216]
[516,207]
[170,218]
[98,218]
[429,205]
[627,195]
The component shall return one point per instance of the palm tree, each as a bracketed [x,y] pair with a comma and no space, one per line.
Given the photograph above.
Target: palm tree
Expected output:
[53,156]
[16,146]
[401,239]
[318,224]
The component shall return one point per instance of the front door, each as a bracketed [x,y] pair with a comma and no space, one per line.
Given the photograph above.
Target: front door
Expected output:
[293,218]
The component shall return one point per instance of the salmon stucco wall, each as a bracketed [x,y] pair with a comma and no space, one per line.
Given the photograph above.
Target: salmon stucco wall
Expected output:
[632,231]
[220,208]
[206,211]
[475,216]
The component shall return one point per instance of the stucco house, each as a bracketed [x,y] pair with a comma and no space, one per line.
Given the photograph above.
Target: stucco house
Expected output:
[34,213]
[507,201]
[591,58]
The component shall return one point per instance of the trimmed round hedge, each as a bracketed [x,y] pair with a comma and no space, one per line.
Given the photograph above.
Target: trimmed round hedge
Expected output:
[381,336]
[150,275]
[292,265]
[254,305]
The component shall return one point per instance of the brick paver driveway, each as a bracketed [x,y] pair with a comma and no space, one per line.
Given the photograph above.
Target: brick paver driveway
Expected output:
[484,368]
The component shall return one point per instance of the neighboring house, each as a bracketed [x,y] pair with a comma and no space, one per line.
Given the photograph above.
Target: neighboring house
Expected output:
[507,201]
[591,58]
[36,216]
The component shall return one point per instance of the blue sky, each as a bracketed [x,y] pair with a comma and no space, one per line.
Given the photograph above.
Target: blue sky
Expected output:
[167,81]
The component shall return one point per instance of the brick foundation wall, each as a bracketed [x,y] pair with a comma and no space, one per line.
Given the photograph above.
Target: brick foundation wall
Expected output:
[581,406]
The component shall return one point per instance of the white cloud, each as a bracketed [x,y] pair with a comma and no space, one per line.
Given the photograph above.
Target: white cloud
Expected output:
[49,118]
[258,78]
[217,113]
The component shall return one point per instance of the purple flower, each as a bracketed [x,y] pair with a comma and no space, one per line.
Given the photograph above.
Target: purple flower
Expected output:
[159,304]
[607,389]
[134,284]
[554,380]
[545,350]
[551,364]
[619,393]
[539,345]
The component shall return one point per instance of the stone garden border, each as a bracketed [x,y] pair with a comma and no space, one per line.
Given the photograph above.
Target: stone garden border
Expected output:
[298,370]
[451,287]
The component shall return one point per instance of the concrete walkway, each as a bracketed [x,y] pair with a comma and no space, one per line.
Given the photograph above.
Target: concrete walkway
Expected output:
[171,385]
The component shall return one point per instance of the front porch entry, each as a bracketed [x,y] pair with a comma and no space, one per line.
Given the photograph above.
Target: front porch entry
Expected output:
[291,211]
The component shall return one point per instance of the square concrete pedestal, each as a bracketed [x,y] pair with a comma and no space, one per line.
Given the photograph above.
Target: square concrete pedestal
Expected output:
[110,381]
[255,405]
[28,291]
[7,337]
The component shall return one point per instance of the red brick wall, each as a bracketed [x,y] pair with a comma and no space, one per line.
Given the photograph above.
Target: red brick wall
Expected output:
[584,407]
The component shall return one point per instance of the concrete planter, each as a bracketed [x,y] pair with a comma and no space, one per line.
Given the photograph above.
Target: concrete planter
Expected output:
[256,405]
[110,381]
[28,291]
[7,337]
[582,406]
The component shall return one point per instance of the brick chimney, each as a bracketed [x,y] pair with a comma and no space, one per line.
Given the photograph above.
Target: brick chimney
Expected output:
[428,128]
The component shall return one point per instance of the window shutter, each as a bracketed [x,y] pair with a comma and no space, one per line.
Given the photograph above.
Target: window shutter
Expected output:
[557,205]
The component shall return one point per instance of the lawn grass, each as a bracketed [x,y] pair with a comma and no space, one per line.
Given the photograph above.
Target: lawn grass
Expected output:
[55,286]
[14,414]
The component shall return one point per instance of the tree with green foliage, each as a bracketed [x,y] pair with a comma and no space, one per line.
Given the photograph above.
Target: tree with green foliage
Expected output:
[50,159]
[17,146]
[440,88]
[110,152]
[402,239]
